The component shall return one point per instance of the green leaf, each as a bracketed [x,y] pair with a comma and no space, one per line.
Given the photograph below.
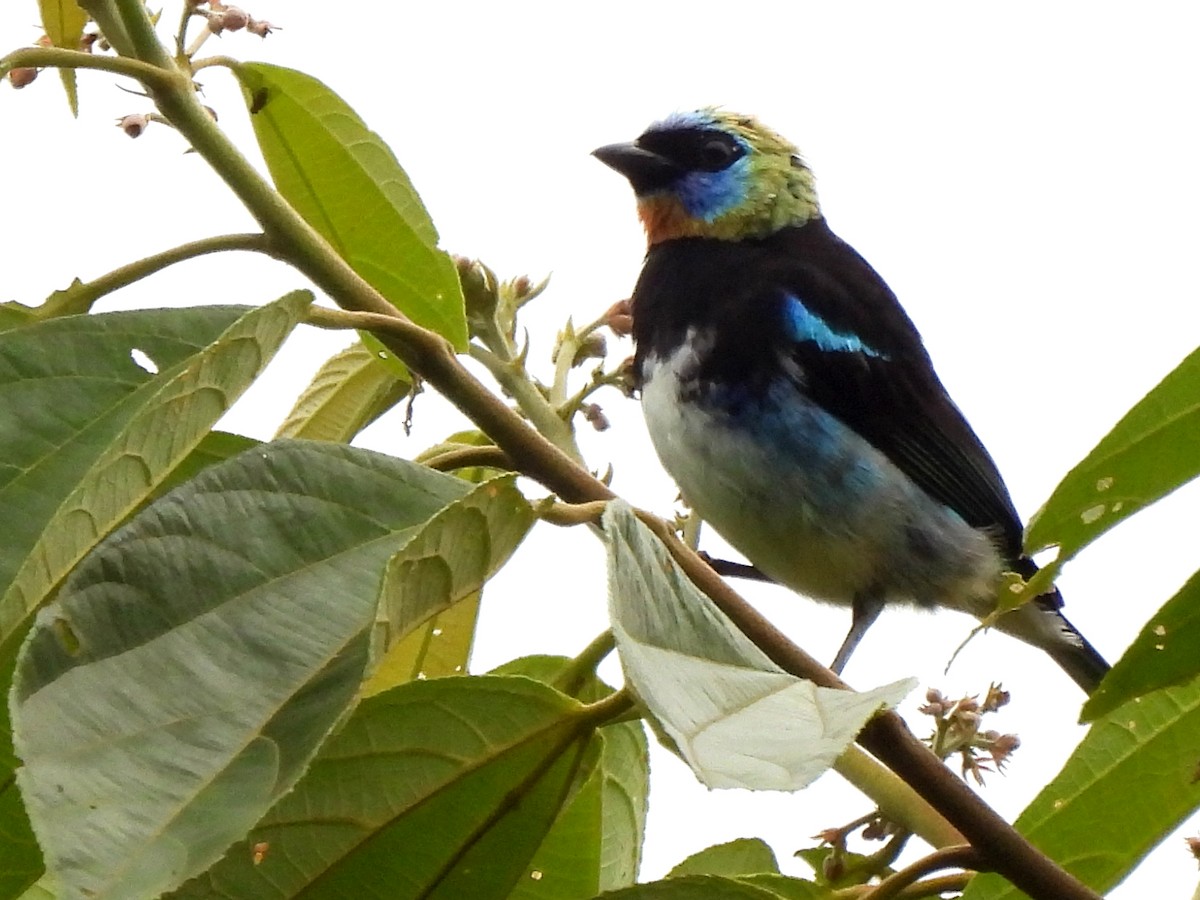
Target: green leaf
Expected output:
[789,888]
[16,315]
[446,563]
[68,389]
[1128,785]
[20,856]
[595,843]
[86,435]
[352,389]
[64,21]
[439,790]
[44,889]
[744,856]
[694,887]
[734,716]
[1164,654]
[346,183]
[215,447]
[192,664]
[1148,454]
[97,457]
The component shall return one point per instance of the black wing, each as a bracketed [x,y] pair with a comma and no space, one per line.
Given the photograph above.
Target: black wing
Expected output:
[857,354]
[862,359]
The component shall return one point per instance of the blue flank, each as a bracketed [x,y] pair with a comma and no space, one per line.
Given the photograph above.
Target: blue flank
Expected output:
[799,436]
[805,325]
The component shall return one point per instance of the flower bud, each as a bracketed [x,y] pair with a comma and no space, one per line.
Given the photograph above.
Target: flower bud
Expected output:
[261,27]
[133,125]
[22,77]
[1193,844]
[521,286]
[592,347]
[996,698]
[595,416]
[235,18]
[833,867]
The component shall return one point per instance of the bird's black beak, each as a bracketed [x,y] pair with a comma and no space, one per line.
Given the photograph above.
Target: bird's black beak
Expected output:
[646,171]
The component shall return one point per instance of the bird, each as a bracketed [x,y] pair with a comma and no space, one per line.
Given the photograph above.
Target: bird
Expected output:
[792,399]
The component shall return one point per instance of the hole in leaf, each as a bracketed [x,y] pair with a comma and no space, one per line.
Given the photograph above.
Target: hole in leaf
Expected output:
[144,361]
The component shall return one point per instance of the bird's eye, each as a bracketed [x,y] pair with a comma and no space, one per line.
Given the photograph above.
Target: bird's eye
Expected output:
[717,154]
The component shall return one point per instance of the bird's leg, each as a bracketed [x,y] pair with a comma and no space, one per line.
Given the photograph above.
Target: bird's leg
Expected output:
[866,608]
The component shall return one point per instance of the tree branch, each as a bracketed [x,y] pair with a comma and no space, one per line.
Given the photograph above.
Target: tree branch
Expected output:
[432,357]
[79,297]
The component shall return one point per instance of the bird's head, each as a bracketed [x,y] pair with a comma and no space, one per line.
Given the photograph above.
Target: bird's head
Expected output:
[716,174]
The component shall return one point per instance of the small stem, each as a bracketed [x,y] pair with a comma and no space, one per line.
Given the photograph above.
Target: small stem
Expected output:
[897,802]
[931,887]
[568,514]
[516,383]
[583,666]
[196,44]
[79,297]
[964,856]
[612,706]
[227,61]
[468,457]
[575,402]
[105,14]
[185,19]
[493,337]
[564,360]
[883,858]
[60,58]
[146,45]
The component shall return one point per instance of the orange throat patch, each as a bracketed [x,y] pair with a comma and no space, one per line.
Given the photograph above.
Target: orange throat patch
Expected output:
[664,219]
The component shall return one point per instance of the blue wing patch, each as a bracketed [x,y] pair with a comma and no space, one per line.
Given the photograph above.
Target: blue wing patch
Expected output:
[805,325]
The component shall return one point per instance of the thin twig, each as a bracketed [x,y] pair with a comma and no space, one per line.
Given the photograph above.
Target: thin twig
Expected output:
[962,857]
[470,457]
[78,298]
[569,514]
[582,667]
[61,58]
[930,887]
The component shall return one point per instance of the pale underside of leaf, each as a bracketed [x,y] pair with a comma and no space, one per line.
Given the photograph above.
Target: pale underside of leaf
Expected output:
[192,665]
[737,719]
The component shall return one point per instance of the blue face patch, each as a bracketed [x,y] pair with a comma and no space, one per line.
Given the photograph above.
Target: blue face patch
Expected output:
[804,325]
[709,195]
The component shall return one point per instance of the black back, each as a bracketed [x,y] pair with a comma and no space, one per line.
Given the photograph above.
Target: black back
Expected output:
[737,292]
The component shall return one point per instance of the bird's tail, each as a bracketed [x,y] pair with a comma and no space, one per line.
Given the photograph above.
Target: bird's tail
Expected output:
[1077,657]
[1041,623]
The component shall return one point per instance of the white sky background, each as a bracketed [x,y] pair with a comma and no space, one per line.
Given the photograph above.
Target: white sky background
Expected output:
[1025,178]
